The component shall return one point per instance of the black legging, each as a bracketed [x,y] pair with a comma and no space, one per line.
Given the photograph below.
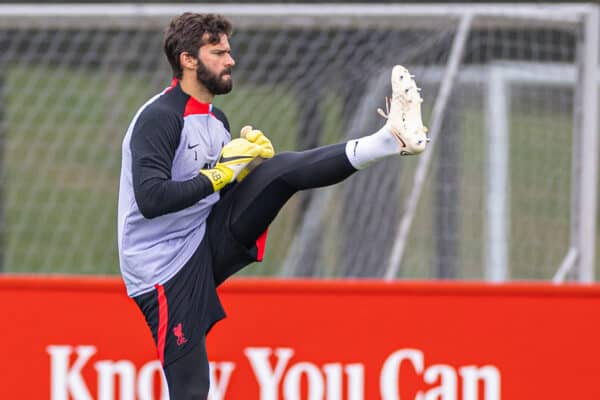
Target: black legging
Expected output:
[188,377]
[259,197]
[247,209]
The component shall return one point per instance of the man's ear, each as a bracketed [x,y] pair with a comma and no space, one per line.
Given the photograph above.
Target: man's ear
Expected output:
[187,61]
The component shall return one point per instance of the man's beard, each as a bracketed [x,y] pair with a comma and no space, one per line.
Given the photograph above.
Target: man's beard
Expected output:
[215,84]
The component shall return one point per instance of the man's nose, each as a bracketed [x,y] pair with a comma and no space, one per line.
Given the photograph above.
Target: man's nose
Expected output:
[230,61]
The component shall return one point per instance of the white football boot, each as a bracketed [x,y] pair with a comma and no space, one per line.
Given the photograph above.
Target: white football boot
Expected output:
[404,113]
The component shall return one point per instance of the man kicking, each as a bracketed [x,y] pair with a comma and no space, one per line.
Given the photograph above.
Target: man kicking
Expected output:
[194,205]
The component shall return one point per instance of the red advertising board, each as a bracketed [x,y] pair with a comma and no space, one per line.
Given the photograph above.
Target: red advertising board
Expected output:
[78,338]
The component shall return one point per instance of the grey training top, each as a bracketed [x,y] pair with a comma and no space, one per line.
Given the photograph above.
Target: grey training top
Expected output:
[163,200]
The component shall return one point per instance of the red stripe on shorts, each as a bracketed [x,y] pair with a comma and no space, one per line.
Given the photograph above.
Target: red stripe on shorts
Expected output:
[261,243]
[163,320]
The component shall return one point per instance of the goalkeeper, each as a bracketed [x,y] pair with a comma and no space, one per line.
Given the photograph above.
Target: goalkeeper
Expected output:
[194,205]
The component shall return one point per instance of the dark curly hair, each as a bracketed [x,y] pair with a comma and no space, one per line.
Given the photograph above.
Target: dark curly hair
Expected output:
[186,33]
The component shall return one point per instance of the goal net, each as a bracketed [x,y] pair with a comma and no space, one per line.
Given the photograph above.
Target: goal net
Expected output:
[495,198]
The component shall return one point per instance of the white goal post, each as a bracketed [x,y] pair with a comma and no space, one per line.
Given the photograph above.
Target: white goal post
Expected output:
[499,77]
[499,70]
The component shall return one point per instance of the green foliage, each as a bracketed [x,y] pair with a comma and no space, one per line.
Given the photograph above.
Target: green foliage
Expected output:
[62,164]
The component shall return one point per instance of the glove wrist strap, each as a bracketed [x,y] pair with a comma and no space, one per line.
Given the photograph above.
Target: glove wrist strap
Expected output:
[219,176]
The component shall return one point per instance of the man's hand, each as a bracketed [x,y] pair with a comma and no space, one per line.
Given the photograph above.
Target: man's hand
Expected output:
[256,136]
[259,138]
[234,157]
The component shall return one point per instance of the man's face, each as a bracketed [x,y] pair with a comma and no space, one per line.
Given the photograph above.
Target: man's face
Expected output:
[214,67]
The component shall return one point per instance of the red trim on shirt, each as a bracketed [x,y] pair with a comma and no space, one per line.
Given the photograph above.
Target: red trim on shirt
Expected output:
[172,85]
[261,243]
[163,320]
[193,107]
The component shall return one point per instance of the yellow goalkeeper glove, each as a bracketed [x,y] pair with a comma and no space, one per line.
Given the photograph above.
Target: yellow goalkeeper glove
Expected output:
[234,157]
[256,136]
[259,138]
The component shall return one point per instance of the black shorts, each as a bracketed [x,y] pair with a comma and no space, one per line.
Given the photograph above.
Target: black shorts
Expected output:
[181,311]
